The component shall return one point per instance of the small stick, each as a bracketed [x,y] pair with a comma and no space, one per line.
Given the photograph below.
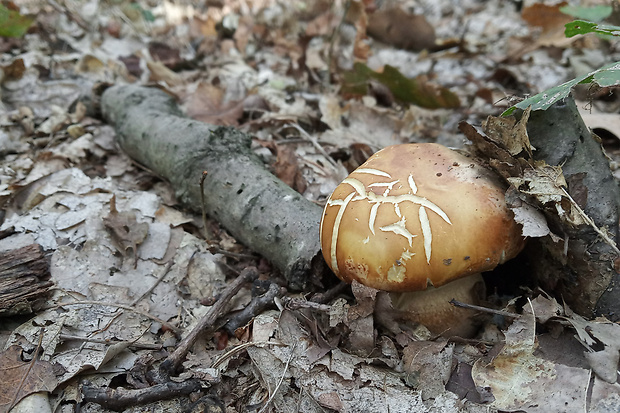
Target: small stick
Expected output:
[484,309]
[297,303]
[69,337]
[203,206]
[275,391]
[119,399]
[327,296]
[174,360]
[155,284]
[242,347]
[257,305]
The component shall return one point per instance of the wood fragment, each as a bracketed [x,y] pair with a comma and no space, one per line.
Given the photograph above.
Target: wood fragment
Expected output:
[119,399]
[24,280]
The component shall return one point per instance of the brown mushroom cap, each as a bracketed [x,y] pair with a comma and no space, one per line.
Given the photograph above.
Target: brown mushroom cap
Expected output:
[415,215]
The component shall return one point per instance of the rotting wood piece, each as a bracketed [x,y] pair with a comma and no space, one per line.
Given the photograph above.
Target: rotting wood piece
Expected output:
[587,281]
[256,207]
[24,279]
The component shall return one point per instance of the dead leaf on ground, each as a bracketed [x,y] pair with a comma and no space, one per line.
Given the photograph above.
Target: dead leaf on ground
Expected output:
[519,380]
[428,365]
[287,168]
[161,73]
[398,28]
[126,231]
[21,378]
[594,335]
[206,104]
[551,20]
[357,15]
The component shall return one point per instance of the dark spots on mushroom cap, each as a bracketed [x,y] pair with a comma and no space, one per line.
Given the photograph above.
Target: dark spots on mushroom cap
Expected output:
[447,261]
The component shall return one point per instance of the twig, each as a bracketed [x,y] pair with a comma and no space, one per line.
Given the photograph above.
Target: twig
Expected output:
[332,40]
[484,309]
[155,284]
[315,143]
[70,15]
[256,306]
[120,398]
[297,303]
[275,391]
[242,347]
[174,360]
[330,294]
[203,206]
[166,324]
[67,337]
[590,222]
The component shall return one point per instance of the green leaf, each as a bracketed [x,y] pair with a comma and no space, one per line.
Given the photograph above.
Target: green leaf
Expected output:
[414,91]
[584,27]
[608,75]
[13,24]
[593,14]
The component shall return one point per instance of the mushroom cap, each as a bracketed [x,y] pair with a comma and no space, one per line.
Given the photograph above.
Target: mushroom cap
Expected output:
[415,215]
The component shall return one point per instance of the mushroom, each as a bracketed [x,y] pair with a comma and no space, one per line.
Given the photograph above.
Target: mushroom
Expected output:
[421,221]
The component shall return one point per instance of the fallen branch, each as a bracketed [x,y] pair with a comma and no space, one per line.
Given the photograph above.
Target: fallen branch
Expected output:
[254,308]
[172,363]
[256,207]
[121,399]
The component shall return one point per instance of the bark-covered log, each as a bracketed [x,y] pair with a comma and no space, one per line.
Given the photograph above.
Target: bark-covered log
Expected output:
[24,279]
[587,279]
[251,203]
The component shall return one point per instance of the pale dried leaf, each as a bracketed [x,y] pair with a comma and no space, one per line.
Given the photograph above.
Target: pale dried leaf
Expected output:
[519,380]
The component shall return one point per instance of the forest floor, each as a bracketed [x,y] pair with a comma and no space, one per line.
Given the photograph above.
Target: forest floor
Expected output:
[313,83]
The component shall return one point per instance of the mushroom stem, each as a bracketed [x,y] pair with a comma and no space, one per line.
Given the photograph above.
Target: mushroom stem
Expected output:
[432,307]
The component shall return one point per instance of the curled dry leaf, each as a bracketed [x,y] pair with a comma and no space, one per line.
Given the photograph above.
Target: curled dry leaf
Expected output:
[126,231]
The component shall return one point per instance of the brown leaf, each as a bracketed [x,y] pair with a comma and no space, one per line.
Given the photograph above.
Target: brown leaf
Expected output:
[165,54]
[207,105]
[125,229]
[403,30]
[508,133]
[546,16]
[357,15]
[287,168]
[498,157]
[159,72]
[21,378]
[428,365]
[520,380]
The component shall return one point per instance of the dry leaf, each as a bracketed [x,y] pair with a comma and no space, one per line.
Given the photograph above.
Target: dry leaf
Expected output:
[508,133]
[125,230]
[21,378]
[594,335]
[357,14]
[401,29]
[428,365]
[207,105]
[519,380]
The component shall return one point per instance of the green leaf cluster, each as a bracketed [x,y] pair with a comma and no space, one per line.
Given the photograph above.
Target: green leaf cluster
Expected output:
[13,24]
